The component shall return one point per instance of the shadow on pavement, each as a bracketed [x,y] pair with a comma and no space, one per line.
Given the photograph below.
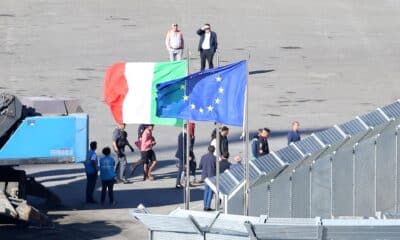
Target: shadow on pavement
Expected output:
[86,231]
[154,197]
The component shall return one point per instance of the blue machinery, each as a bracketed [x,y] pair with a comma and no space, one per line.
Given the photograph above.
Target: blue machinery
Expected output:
[39,130]
[47,139]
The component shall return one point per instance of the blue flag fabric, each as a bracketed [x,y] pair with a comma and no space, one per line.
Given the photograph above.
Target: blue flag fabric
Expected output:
[215,95]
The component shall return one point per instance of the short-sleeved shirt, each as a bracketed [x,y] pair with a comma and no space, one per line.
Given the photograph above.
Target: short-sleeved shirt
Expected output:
[107,168]
[91,162]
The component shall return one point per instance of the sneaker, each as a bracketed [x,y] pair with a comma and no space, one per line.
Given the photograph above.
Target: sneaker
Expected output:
[126,181]
[178,186]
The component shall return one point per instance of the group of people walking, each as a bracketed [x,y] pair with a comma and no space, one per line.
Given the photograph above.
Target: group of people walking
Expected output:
[115,170]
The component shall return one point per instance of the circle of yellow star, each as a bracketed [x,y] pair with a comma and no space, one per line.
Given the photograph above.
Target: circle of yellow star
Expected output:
[193,106]
[221,90]
[185,97]
[217,101]
[210,108]
[219,79]
[201,110]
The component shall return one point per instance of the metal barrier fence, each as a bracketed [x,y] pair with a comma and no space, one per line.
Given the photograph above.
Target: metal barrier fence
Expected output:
[350,169]
[184,224]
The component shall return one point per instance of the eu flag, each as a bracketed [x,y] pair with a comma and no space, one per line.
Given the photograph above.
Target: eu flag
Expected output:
[215,95]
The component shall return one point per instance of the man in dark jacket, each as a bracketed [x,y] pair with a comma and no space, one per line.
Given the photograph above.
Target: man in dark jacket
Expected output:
[119,141]
[181,154]
[207,45]
[224,163]
[224,143]
[262,143]
[208,167]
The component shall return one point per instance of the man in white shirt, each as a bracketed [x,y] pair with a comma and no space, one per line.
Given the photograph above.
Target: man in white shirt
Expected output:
[207,45]
[174,43]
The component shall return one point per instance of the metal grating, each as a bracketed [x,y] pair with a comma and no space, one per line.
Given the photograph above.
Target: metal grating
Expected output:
[267,163]
[308,145]
[226,184]
[330,136]
[374,118]
[167,223]
[352,127]
[232,224]
[264,231]
[289,154]
[237,171]
[213,180]
[392,110]
[253,173]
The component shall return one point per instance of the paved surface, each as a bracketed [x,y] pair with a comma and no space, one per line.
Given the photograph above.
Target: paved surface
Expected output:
[320,63]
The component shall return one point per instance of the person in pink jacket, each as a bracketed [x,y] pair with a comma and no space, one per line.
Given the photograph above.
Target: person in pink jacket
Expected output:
[148,156]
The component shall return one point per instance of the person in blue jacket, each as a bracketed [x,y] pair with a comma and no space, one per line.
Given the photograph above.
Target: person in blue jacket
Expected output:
[294,134]
[107,175]
[208,167]
[91,168]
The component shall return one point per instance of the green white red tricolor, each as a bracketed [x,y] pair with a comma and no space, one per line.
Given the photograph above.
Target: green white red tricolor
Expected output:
[130,90]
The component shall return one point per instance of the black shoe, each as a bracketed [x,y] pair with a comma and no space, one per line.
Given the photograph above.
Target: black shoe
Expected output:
[208,209]
[178,186]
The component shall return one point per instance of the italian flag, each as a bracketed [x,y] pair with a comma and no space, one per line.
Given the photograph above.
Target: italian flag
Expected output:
[130,90]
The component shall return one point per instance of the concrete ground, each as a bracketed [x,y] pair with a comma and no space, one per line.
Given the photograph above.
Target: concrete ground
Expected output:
[318,62]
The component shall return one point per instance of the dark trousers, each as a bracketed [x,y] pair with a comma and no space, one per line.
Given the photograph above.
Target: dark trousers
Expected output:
[107,185]
[206,54]
[180,170]
[120,167]
[181,165]
[90,186]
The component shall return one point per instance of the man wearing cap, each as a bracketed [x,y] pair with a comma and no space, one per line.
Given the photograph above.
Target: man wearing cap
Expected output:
[207,45]
[174,43]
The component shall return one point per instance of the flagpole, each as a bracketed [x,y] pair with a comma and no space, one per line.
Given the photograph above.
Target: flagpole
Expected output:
[187,187]
[246,147]
[218,156]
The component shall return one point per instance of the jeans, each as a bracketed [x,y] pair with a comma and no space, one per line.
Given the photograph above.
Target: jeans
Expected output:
[208,195]
[120,167]
[175,54]
[206,54]
[90,186]
[108,184]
